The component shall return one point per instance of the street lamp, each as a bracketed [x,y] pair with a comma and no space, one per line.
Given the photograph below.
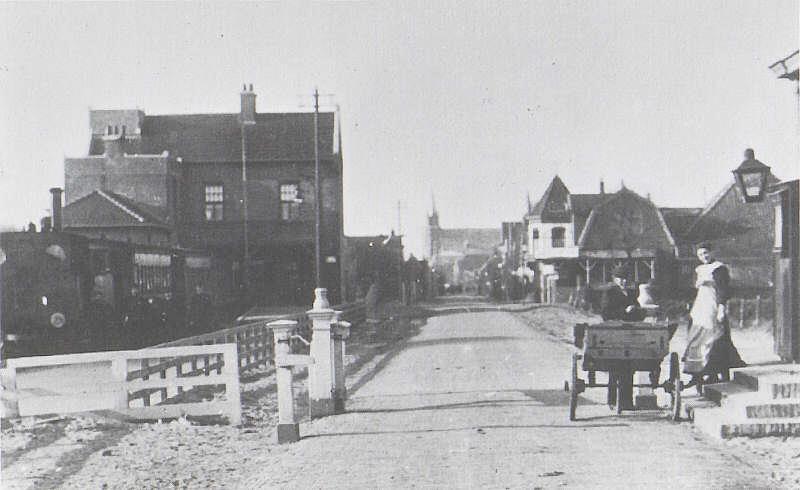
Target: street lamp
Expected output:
[751,177]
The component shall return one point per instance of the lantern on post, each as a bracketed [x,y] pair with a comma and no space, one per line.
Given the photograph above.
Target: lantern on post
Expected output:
[751,177]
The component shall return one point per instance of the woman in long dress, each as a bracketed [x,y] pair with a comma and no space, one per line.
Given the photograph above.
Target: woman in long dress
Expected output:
[710,351]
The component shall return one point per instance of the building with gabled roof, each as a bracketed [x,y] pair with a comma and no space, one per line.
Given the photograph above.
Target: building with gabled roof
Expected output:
[742,235]
[576,239]
[105,214]
[239,185]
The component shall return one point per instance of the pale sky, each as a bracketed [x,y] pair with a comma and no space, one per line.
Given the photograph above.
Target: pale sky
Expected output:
[475,102]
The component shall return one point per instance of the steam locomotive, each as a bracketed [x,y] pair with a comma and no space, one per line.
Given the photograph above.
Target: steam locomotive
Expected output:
[65,293]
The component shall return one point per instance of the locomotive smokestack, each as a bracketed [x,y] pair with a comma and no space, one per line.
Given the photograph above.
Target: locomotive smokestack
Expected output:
[57,223]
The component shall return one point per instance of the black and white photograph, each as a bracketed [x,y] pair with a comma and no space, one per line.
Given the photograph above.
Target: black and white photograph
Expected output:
[400,244]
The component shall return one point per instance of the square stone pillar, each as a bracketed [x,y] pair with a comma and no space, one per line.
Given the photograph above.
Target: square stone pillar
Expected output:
[288,428]
[321,374]
[341,331]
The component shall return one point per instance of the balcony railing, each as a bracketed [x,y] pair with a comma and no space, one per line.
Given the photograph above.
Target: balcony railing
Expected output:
[558,243]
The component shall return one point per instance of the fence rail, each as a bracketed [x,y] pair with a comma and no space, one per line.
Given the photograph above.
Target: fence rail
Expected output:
[146,384]
[154,382]
[254,339]
[746,312]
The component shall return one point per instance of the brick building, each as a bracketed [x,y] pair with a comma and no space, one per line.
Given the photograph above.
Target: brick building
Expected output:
[742,235]
[179,180]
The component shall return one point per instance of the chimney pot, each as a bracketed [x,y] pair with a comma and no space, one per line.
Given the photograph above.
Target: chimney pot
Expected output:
[248,108]
[57,214]
[244,87]
[602,187]
[749,154]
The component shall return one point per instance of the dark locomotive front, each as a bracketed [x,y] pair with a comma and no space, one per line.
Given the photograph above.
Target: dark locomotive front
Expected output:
[44,279]
[64,293]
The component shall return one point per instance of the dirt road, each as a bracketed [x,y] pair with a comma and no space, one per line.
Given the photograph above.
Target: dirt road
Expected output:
[475,400]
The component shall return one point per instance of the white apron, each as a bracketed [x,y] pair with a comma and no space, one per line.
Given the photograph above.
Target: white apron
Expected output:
[705,329]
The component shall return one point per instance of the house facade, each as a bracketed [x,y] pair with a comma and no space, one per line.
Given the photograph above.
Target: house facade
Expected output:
[577,239]
[240,186]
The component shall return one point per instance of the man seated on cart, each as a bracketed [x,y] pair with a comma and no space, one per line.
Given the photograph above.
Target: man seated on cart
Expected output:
[617,302]
[620,304]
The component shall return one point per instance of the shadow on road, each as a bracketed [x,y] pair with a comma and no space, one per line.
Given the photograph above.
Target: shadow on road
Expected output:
[555,398]
[481,428]
[447,406]
[460,340]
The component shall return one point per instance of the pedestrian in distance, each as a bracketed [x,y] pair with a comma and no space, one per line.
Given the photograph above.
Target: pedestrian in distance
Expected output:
[710,352]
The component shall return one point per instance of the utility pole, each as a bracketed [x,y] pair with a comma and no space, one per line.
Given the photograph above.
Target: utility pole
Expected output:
[317,194]
[246,265]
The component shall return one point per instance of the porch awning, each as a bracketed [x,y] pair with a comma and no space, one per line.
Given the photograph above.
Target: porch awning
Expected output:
[618,254]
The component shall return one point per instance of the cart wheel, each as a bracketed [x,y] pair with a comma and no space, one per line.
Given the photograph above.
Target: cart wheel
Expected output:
[676,401]
[573,392]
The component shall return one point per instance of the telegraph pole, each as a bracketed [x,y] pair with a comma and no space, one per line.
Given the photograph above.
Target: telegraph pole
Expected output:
[246,265]
[317,194]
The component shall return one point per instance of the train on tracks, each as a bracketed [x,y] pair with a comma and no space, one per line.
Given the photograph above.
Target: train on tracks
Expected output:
[64,293]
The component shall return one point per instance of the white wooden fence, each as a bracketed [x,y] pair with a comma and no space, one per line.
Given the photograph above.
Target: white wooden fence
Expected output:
[146,384]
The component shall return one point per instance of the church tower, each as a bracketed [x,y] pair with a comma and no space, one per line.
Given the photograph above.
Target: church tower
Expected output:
[434,244]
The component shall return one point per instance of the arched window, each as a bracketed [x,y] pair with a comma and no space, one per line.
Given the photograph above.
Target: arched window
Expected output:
[558,237]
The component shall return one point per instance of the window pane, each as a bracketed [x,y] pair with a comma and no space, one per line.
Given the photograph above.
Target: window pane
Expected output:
[213,212]
[214,193]
[288,192]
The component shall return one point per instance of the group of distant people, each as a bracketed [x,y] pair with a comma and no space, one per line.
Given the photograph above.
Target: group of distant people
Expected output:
[710,353]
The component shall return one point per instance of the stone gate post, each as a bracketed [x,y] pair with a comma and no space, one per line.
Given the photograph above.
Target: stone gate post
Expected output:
[288,428]
[341,331]
[321,374]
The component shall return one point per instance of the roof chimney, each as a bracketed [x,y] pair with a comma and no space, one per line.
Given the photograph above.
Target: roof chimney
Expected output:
[248,110]
[602,187]
[57,221]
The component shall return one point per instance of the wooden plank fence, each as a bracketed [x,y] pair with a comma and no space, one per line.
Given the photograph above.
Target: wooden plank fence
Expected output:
[749,312]
[157,378]
[146,384]
[254,339]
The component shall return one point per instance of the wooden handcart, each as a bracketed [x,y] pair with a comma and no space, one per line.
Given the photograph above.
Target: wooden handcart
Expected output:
[621,349]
